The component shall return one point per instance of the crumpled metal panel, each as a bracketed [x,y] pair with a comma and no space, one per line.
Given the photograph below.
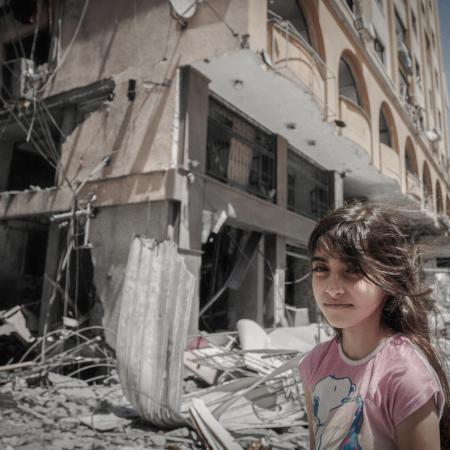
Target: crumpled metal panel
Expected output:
[154,318]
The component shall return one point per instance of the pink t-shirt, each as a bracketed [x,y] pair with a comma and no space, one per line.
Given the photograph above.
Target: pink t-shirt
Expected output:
[358,404]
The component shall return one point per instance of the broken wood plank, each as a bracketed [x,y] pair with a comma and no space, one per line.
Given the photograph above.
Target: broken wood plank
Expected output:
[15,366]
[217,436]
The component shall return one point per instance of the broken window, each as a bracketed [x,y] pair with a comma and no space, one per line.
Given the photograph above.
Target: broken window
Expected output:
[36,247]
[351,5]
[240,152]
[379,49]
[291,10]
[307,186]
[24,11]
[79,281]
[218,254]
[226,258]
[418,76]
[404,85]
[29,167]
[299,298]
[33,47]
[400,30]
[24,250]
[427,186]
[385,133]
[410,161]
[443,262]
[21,59]
[347,83]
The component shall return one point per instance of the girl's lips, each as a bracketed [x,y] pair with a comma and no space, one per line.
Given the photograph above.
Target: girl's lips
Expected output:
[338,305]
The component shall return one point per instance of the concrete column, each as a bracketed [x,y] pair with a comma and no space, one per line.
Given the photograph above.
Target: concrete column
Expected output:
[335,189]
[282,174]
[274,295]
[194,92]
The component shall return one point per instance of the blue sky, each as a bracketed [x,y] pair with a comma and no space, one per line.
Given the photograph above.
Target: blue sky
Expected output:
[444,13]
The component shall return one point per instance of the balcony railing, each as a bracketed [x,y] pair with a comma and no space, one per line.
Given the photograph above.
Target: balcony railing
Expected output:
[296,59]
[413,185]
[358,128]
[239,152]
[390,162]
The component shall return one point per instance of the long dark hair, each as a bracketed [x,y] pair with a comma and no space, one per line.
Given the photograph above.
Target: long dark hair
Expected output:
[379,241]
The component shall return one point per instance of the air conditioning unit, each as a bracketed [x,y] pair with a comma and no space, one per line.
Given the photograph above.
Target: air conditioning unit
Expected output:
[18,77]
[365,28]
[405,58]
[434,135]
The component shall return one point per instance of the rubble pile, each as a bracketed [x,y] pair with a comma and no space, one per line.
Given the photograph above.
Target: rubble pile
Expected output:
[70,397]
[64,393]
[240,391]
[66,413]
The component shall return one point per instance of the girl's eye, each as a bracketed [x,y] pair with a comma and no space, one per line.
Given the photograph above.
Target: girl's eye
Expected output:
[354,271]
[319,269]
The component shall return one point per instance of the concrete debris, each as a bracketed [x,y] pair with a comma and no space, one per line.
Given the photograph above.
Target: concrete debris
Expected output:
[37,416]
[103,422]
[239,390]
[48,401]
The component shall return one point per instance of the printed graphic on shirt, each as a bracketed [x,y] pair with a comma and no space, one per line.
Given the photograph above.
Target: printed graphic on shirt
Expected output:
[338,414]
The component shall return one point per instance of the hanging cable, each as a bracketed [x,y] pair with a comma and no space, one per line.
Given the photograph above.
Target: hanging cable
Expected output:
[53,153]
[36,29]
[232,31]
[36,146]
[24,129]
[69,47]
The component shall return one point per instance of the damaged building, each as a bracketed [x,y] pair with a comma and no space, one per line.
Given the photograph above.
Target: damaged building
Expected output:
[227,126]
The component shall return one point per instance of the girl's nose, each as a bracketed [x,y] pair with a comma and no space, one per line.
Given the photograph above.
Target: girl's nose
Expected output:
[334,288]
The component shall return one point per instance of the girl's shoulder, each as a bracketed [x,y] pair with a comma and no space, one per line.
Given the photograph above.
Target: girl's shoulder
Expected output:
[406,378]
[401,350]
[404,363]
[315,356]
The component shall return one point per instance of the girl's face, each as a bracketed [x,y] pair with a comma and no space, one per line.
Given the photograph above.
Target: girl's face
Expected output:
[346,299]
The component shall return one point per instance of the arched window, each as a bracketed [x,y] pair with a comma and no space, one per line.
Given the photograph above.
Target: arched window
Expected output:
[351,4]
[347,83]
[410,159]
[385,133]
[427,185]
[292,11]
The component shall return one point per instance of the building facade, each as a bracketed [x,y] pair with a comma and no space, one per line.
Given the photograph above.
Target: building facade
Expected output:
[228,126]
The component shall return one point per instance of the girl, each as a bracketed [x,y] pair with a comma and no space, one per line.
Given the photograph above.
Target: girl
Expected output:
[379,384]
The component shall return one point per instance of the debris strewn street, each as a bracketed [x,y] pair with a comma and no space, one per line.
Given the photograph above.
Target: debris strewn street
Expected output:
[67,395]
[240,390]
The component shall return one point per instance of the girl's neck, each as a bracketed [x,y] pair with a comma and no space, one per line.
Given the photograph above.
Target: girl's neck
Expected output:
[357,344]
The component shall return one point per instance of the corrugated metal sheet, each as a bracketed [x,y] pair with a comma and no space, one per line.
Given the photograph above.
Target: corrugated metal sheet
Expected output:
[154,318]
